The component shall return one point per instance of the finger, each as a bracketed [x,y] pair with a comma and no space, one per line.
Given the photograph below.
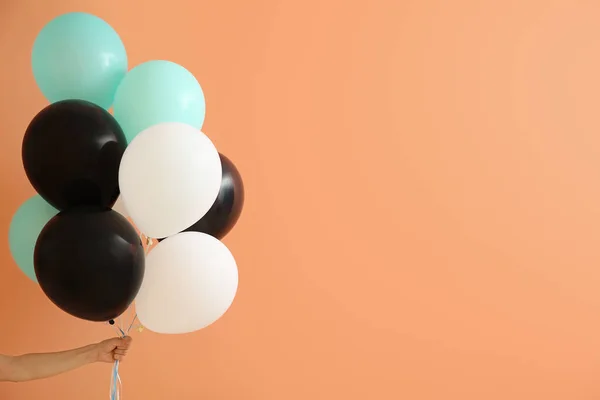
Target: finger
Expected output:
[120,352]
[118,357]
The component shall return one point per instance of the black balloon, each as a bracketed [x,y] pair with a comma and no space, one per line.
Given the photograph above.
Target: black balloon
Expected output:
[71,153]
[226,210]
[90,263]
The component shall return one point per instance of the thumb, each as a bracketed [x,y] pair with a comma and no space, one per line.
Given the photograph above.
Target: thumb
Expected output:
[124,342]
[114,342]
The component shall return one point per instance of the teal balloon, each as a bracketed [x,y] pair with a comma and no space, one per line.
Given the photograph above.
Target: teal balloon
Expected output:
[79,56]
[155,92]
[25,227]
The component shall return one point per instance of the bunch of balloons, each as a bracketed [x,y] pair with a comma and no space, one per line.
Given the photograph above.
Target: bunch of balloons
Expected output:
[105,181]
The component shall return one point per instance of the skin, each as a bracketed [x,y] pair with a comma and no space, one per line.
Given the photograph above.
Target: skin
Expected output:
[29,367]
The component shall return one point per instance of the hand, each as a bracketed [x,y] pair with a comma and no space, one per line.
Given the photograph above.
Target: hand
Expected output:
[112,350]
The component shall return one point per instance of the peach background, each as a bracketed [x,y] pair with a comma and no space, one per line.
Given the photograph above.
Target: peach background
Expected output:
[423,199]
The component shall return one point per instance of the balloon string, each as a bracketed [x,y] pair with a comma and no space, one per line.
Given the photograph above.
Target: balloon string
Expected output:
[132,322]
[116,384]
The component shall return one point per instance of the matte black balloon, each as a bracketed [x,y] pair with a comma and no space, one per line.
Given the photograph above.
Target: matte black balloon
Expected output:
[90,263]
[71,153]
[226,210]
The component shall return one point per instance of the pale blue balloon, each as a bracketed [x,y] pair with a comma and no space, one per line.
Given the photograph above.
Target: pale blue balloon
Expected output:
[25,227]
[155,92]
[79,56]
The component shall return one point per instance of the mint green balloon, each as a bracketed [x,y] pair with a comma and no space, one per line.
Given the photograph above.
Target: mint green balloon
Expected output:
[155,92]
[25,227]
[79,56]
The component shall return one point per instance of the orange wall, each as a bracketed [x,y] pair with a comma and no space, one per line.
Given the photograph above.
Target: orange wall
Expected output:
[423,199]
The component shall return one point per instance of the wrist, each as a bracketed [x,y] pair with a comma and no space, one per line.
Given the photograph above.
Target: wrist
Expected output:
[91,353]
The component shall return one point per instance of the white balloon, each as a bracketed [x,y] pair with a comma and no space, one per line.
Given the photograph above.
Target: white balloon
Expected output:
[169,177]
[120,207]
[191,280]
